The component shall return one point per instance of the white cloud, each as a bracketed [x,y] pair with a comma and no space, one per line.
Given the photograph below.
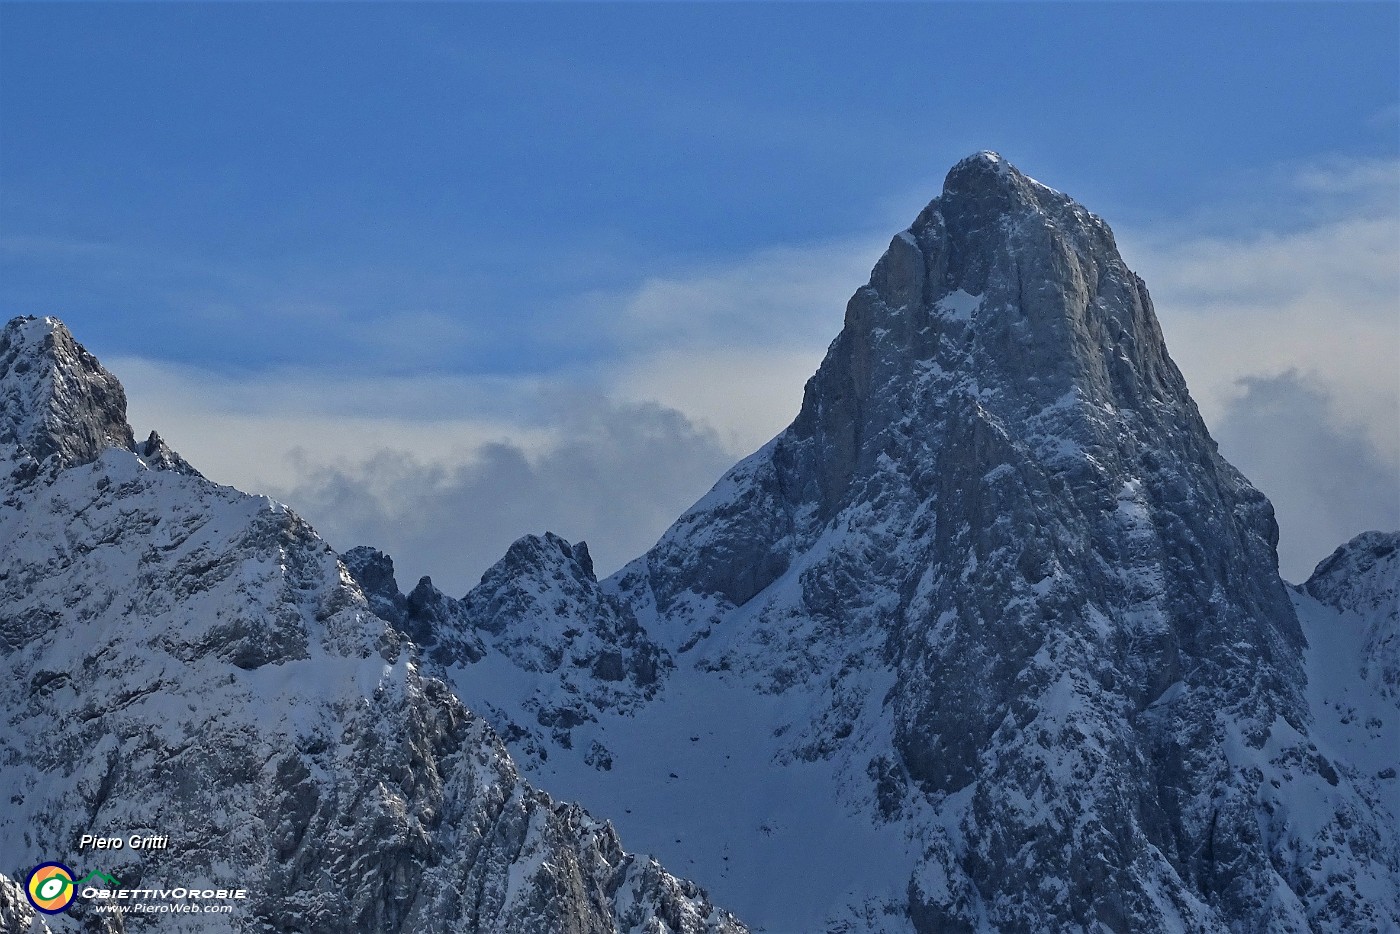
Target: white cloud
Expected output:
[1373,180]
[783,297]
[615,475]
[262,431]
[1321,299]
[1327,482]
[745,396]
[732,343]
[444,472]
[702,365]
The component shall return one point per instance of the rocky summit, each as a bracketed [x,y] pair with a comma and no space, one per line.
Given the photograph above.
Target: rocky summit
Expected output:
[187,662]
[990,638]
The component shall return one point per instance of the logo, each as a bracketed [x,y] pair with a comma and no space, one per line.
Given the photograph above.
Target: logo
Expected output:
[109,881]
[50,888]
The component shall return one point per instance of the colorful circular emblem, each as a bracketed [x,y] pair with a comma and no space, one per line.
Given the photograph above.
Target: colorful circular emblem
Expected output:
[50,888]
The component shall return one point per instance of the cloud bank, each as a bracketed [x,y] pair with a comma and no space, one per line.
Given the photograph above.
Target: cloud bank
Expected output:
[443,472]
[1290,341]
[1288,334]
[614,475]
[1326,480]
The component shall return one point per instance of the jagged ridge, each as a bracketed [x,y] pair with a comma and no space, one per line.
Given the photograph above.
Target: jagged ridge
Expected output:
[181,658]
[1362,578]
[1004,595]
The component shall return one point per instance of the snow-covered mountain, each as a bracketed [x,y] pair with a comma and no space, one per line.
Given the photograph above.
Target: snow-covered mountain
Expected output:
[990,638]
[1361,580]
[1350,613]
[180,659]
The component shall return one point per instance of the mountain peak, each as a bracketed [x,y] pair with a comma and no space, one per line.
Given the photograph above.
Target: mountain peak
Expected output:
[1362,578]
[1003,291]
[980,168]
[998,526]
[992,184]
[56,400]
[148,613]
[1368,555]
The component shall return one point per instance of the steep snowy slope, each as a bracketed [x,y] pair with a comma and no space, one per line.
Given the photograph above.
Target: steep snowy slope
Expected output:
[180,659]
[16,914]
[1349,610]
[1361,580]
[991,638]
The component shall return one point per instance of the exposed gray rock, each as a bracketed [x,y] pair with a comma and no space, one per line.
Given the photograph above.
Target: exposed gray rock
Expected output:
[58,401]
[180,658]
[16,914]
[435,622]
[373,570]
[530,602]
[1017,603]
[156,453]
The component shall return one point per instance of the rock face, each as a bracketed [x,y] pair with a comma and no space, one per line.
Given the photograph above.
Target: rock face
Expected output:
[989,639]
[999,473]
[434,621]
[58,405]
[16,915]
[182,659]
[541,612]
[530,603]
[1348,610]
[994,590]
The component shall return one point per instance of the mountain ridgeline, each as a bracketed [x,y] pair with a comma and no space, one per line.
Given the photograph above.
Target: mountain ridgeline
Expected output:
[999,483]
[991,638]
[186,660]
[1006,598]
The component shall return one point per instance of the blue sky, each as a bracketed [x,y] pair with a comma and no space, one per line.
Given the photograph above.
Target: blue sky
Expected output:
[462,214]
